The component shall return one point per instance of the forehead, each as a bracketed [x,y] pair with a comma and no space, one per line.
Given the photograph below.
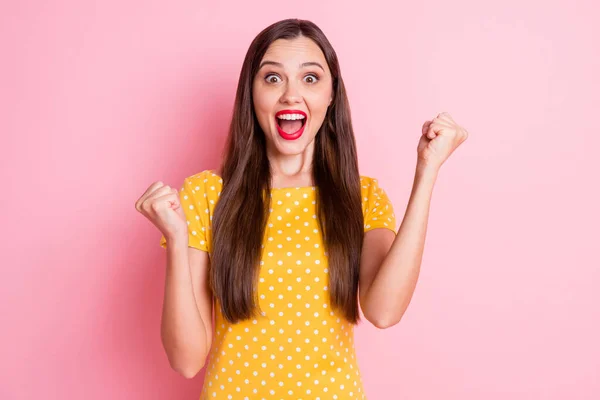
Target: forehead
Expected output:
[292,52]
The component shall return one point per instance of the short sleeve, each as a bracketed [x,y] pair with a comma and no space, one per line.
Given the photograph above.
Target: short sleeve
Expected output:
[378,210]
[194,201]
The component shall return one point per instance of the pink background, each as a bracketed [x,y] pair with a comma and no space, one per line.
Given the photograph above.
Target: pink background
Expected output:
[100,99]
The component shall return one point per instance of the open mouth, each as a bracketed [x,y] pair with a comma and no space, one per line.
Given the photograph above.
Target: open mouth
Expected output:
[290,123]
[290,126]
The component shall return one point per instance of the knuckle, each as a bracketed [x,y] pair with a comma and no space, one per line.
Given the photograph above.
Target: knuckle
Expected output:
[154,206]
[146,205]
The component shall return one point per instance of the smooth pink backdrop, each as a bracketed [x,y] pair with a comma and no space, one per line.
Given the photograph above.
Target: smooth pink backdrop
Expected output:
[100,99]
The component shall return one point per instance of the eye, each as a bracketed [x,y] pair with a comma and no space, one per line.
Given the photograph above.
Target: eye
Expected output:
[314,78]
[269,79]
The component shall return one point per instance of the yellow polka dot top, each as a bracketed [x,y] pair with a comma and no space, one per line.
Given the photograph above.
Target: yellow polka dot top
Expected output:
[298,347]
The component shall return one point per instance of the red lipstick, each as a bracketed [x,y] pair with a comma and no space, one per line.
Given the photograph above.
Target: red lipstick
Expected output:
[294,135]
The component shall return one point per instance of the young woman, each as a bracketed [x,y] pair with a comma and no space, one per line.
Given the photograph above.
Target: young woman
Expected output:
[269,256]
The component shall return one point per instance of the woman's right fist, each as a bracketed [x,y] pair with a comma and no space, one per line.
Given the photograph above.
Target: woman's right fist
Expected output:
[160,204]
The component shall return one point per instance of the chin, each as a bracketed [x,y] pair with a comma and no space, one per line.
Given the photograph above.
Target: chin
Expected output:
[292,147]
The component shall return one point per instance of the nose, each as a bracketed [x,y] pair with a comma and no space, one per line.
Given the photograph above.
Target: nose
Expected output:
[291,94]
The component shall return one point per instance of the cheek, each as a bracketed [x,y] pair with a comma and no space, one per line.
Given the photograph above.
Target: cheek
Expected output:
[319,99]
[319,106]
[263,104]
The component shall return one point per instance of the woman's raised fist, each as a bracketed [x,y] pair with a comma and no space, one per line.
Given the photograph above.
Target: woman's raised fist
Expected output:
[160,204]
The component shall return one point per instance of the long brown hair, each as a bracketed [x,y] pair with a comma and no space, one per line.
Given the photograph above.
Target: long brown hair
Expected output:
[241,213]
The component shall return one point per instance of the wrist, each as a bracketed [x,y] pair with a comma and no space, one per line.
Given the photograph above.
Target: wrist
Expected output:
[179,239]
[427,170]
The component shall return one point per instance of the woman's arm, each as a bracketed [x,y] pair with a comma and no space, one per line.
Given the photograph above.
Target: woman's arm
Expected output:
[186,325]
[390,265]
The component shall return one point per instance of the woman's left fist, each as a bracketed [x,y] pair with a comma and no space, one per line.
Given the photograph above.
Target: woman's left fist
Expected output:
[440,137]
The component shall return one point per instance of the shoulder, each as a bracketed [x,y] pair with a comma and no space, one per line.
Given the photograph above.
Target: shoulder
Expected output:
[203,190]
[366,181]
[378,210]
[204,181]
[369,187]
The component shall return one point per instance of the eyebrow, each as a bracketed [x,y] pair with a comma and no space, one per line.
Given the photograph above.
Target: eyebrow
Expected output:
[306,64]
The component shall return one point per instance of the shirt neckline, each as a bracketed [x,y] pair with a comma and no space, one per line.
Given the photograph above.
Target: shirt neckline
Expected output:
[278,188]
[294,188]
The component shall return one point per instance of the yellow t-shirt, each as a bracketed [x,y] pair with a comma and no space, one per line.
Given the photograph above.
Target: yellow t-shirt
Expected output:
[298,348]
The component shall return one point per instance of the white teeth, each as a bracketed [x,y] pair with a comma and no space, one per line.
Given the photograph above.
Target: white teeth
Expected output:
[291,116]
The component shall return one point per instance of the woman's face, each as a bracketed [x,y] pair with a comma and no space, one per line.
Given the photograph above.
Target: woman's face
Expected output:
[293,78]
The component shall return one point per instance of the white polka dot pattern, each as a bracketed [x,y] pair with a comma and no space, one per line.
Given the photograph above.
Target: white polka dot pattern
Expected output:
[297,348]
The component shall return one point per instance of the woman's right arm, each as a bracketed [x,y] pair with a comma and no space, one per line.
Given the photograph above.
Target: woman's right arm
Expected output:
[186,324]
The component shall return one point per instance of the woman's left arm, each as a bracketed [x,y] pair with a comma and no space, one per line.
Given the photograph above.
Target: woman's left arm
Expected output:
[390,264]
